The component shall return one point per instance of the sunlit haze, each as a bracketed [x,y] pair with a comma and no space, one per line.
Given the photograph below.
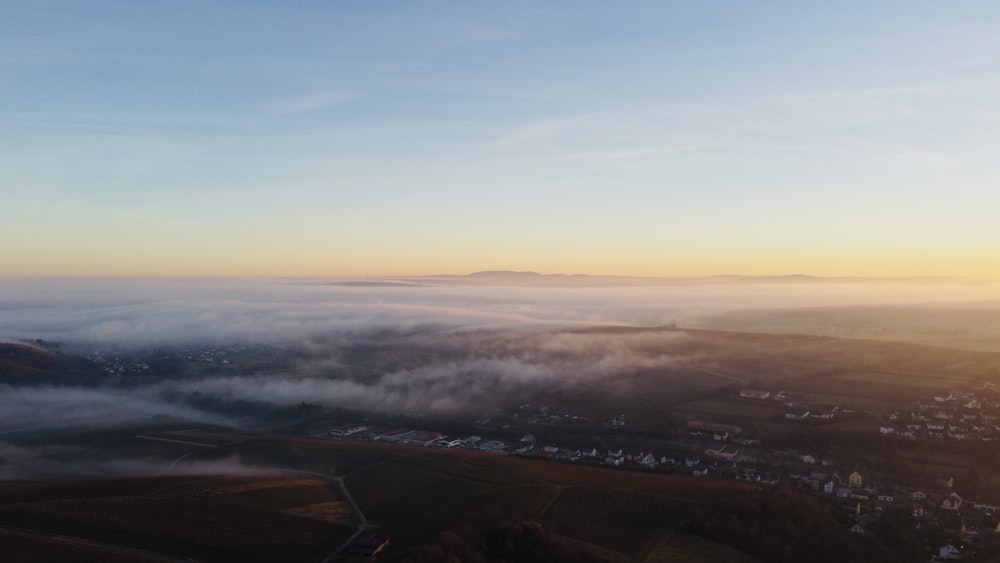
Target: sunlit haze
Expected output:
[359,139]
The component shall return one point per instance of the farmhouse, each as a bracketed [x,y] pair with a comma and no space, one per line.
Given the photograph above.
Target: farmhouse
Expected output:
[348,430]
[747,440]
[419,437]
[755,394]
[698,425]
[492,446]
[952,502]
[724,452]
[855,479]
[986,507]
[949,552]
[859,494]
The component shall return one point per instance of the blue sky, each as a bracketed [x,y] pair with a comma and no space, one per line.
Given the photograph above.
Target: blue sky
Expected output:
[666,138]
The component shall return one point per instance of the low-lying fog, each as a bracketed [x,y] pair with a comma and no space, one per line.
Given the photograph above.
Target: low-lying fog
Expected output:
[414,346]
[144,312]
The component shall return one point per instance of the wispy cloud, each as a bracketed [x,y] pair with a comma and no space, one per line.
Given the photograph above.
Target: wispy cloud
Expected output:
[927,158]
[312,102]
[539,131]
[872,92]
[622,154]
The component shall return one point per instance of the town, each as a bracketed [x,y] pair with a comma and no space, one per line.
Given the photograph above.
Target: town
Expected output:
[951,512]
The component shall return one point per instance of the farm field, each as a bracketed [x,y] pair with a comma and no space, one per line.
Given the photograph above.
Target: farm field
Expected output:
[250,518]
[416,494]
[882,388]
[732,408]
[424,500]
[678,546]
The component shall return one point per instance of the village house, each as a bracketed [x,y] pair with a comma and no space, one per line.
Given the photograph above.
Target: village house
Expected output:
[855,480]
[725,452]
[986,507]
[952,502]
[949,552]
[348,430]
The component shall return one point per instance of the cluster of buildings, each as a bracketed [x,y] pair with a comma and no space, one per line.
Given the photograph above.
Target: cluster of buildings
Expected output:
[798,409]
[958,415]
[114,364]
[139,363]
[716,449]
[545,413]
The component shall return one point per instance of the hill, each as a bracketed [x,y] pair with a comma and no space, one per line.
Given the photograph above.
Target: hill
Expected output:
[207,518]
[431,504]
[26,364]
[439,505]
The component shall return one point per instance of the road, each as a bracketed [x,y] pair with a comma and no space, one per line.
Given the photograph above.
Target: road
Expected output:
[363,524]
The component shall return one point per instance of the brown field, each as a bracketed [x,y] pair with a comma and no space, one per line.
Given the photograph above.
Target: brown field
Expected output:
[415,492]
[254,518]
[732,408]
[885,388]
[27,547]
[677,546]
[705,363]
[635,515]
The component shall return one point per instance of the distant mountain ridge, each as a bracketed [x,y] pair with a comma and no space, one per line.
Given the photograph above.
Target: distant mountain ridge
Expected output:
[532,278]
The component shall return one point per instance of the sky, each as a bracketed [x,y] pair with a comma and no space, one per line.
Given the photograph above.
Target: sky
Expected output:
[348,139]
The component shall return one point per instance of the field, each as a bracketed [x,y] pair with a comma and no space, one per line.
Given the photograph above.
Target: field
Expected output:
[711,364]
[876,389]
[412,494]
[425,500]
[250,518]
[677,546]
